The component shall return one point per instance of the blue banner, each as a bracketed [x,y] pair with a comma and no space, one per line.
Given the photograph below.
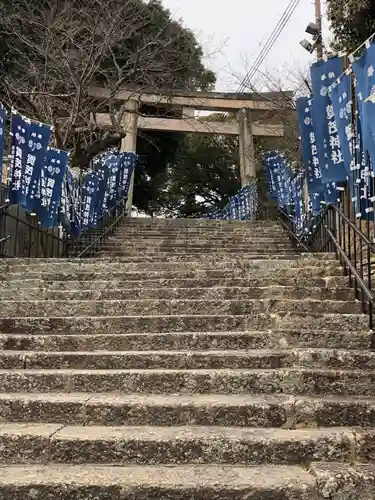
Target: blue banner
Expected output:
[271,174]
[89,192]
[309,148]
[297,195]
[38,140]
[280,178]
[114,164]
[323,74]
[75,209]
[3,119]
[364,70]
[29,145]
[341,96]
[362,190]
[128,162]
[51,183]
[102,169]
[242,206]
[360,83]
[19,150]
[317,200]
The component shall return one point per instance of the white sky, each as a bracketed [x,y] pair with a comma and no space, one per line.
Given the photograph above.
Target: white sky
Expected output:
[232,33]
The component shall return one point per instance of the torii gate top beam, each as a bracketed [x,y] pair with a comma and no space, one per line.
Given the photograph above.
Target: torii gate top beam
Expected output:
[215,101]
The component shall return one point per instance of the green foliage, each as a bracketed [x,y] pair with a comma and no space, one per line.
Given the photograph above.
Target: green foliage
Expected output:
[53,51]
[204,175]
[352,22]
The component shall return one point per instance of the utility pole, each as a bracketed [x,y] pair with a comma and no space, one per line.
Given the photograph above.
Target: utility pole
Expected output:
[318,22]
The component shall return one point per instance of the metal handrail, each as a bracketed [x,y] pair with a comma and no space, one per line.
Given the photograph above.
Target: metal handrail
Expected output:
[353,270]
[105,232]
[289,230]
[329,235]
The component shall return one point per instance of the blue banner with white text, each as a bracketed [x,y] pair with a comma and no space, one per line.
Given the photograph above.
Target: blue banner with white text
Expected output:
[323,75]
[3,119]
[341,96]
[51,184]
[38,139]
[19,151]
[310,151]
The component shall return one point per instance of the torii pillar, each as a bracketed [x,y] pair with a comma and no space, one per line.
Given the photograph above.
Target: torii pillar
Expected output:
[246,143]
[129,142]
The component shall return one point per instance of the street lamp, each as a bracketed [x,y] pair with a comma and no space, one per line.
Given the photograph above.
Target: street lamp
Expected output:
[307,45]
[314,30]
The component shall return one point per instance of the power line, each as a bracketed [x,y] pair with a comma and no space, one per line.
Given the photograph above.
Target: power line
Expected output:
[287,14]
[281,24]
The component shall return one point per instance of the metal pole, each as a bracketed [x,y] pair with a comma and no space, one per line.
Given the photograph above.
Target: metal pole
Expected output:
[318,22]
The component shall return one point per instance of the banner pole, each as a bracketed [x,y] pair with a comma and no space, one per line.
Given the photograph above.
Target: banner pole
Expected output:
[318,21]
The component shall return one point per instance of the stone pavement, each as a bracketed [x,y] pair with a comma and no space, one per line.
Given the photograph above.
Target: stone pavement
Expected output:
[190,360]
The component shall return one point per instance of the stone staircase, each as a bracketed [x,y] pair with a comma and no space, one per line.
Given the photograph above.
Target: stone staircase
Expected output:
[191,360]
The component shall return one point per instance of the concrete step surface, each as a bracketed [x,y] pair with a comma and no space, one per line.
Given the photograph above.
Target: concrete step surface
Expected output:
[172,271]
[8,264]
[144,280]
[195,341]
[181,323]
[333,480]
[187,359]
[251,260]
[190,360]
[204,293]
[41,443]
[227,410]
[294,381]
[229,265]
[172,307]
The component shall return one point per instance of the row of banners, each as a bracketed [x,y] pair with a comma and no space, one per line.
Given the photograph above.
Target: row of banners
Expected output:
[242,206]
[39,178]
[337,129]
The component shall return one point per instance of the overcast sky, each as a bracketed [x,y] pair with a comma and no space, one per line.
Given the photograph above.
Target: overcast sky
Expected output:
[232,33]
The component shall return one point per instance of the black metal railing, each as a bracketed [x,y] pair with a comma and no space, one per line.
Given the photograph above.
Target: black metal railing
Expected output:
[336,232]
[288,224]
[90,243]
[21,235]
[349,239]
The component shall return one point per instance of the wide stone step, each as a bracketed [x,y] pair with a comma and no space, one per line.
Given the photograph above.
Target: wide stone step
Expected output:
[194,257]
[276,410]
[180,282]
[190,222]
[97,266]
[180,271]
[154,254]
[197,241]
[190,360]
[205,482]
[294,381]
[208,261]
[163,257]
[199,233]
[175,307]
[187,248]
[218,293]
[223,228]
[189,341]
[41,443]
[192,323]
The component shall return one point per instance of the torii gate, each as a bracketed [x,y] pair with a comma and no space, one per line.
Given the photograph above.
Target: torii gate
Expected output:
[244,127]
